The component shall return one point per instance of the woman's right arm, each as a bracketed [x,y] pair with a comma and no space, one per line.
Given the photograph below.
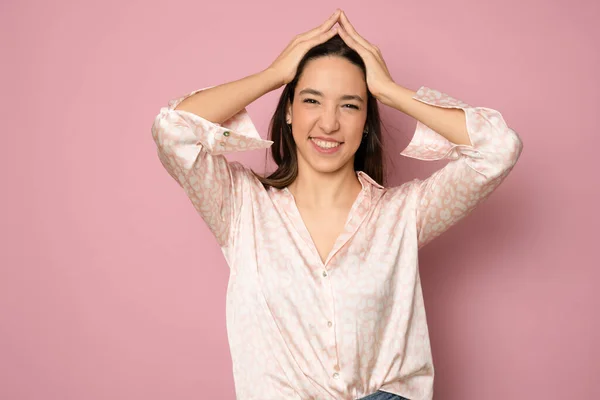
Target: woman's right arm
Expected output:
[194,131]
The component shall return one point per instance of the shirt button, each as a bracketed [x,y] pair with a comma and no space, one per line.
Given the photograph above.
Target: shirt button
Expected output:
[336,375]
[329,323]
[222,143]
[226,133]
[324,273]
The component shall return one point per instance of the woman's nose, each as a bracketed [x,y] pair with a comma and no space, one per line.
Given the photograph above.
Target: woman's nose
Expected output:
[329,120]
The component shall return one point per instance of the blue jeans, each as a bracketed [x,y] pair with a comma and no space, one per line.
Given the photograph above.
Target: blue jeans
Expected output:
[381,395]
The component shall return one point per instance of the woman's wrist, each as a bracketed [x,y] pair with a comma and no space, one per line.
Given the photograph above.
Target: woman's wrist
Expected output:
[396,96]
[274,80]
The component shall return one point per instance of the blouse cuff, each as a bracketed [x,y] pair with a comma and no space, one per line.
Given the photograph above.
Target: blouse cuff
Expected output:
[495,146]
[429,145]
[238,133]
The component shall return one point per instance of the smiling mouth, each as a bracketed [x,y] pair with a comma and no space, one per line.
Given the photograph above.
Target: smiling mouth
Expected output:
[324,144]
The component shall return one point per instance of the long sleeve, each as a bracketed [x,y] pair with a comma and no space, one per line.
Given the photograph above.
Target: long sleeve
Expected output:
[472,173]
[191,149]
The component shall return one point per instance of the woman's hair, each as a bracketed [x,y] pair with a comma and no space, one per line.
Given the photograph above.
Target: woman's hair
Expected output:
[368,157]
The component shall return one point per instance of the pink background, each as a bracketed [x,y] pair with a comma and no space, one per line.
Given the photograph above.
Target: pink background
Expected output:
[111,286]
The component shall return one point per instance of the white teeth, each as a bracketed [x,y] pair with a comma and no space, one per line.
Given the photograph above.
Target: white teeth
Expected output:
[324,144]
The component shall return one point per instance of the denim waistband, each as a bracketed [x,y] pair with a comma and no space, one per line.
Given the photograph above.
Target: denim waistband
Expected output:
[381,395]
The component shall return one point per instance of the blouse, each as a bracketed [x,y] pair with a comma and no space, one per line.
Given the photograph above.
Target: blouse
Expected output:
[301,328]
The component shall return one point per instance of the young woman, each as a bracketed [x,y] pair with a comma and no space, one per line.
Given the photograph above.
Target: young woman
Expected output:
[324,298]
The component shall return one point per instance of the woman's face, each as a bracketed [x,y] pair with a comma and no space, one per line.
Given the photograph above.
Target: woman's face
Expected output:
[329,114]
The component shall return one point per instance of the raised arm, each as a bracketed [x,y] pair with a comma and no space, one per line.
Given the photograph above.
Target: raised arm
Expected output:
[194,131]
[475,170]
[477,140]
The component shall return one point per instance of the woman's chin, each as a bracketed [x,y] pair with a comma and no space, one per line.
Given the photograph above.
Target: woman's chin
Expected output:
[327,166]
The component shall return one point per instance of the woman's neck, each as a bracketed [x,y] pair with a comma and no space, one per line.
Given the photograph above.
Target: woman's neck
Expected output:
[314,189]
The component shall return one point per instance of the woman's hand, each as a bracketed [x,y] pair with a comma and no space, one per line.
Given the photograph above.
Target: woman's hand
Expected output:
[378,76]
[286,64]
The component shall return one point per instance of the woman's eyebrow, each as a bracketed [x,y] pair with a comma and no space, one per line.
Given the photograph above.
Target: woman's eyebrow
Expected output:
[344,97]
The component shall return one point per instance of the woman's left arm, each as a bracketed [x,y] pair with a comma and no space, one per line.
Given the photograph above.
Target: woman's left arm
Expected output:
[481,147]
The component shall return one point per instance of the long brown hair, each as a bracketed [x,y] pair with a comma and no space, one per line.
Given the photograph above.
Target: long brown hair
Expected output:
[368,157]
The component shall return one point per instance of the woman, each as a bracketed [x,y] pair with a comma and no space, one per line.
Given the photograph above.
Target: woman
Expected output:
[324,298]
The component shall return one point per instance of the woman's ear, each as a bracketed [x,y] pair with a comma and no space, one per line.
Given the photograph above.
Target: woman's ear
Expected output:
[288,113]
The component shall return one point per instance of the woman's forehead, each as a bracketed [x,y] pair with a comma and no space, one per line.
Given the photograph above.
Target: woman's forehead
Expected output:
[332,77]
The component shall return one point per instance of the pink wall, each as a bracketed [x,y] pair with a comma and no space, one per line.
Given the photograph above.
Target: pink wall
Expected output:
[111,286]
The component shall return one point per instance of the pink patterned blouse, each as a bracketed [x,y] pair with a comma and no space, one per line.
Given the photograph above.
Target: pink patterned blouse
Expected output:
[299,328]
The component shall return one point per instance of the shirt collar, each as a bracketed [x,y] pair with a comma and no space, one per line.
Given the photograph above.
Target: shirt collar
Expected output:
[366,181]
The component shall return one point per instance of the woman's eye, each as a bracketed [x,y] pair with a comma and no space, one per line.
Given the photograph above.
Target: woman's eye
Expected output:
[313,101]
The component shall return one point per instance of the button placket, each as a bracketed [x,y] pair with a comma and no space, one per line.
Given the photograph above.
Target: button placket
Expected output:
[336,367]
